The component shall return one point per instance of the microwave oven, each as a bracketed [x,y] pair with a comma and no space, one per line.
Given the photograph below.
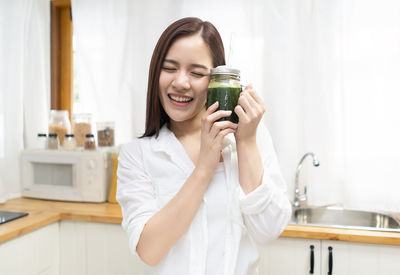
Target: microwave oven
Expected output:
[81,176]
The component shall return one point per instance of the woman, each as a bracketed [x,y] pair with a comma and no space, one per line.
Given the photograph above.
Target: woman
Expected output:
[194,199]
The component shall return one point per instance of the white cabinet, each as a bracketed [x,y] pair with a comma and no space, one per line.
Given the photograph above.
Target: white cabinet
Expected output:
[293,256]
[95,248]
[360,258]
[85,248]
[289,256]
[34,253]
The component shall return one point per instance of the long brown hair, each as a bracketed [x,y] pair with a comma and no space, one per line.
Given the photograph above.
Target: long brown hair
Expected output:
[156,116]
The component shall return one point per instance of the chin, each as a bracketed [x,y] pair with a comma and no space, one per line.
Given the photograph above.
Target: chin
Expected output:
[181,117]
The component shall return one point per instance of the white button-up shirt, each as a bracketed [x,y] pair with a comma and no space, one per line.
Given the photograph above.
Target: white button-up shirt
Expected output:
[152,170]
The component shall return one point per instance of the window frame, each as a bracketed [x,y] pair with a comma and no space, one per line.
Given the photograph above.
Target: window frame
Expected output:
[61,56]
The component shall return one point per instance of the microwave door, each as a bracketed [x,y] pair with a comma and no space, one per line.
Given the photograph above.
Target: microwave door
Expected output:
[51,178]
[54,174]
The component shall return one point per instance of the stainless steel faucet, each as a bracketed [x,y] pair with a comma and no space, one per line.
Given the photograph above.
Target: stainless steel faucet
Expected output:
[300,200]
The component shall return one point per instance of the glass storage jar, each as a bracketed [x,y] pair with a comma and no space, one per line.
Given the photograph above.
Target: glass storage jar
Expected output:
[90,143]
[59,124]
[52,142]
[225,88]
[105,133]
[81,126]
[41,141]
[69,142]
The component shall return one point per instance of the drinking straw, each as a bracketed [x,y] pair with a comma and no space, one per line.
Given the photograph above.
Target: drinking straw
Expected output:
[230,49]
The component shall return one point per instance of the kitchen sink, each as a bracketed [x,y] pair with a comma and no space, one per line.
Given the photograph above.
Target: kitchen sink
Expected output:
[342,218]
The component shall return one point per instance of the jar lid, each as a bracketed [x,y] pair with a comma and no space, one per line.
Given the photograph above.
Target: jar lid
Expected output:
[89,135]
[58,113]
[52,135]
[69,135]
[41,135]
[225,70]
[82,115]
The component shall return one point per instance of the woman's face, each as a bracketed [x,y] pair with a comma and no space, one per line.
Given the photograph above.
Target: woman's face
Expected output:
[184,78]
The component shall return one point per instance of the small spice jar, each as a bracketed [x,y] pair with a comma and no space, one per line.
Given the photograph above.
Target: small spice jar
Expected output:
[105,133]
[69,142]
[52,141]
[90,143]
[41,141]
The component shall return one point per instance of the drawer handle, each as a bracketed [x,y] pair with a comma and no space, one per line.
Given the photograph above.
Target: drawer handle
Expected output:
[330,260]
[311,259]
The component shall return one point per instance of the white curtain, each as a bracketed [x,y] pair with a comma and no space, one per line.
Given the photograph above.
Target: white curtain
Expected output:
[371,84]
[331,84]
[327,71]
[24,84]
[303,92]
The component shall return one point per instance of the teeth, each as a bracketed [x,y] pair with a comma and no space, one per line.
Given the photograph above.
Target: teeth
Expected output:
[180,99]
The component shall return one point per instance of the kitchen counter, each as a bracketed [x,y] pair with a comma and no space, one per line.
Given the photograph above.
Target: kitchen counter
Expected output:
[43,212]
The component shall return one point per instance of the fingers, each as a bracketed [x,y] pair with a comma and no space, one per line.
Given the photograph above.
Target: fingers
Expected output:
[212,108]
[209,118]
[256,97]
[223,133]
[249,89]
[205,125]
[220,126]
[240,113]
[249,86]
[251,103]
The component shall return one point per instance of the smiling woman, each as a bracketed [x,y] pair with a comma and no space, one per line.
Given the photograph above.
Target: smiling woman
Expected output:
[189,190]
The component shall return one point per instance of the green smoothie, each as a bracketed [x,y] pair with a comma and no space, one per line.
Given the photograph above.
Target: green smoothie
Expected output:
[227,94]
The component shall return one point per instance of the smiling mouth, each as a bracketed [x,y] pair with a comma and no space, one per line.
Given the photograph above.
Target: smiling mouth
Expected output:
[180,99]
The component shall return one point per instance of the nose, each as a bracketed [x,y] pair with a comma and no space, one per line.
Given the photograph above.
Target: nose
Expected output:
[181,81]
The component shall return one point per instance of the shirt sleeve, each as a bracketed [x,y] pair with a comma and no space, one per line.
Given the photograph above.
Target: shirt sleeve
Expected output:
[135,193]
[266,210]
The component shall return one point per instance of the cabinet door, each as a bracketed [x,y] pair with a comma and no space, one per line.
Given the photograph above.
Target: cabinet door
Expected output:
[360,258]
[290,256]
[34,253]
[95,248]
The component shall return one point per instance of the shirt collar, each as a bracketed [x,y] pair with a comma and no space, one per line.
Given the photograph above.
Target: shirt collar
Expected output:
[167,143]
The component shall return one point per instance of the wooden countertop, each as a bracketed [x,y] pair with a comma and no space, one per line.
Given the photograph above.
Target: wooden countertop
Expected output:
[43,212]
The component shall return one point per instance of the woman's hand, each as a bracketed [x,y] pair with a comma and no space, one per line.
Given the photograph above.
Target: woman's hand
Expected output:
[250,110]
[212,135]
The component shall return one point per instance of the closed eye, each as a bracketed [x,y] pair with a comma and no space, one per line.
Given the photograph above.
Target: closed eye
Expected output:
[197,74]
[168,69]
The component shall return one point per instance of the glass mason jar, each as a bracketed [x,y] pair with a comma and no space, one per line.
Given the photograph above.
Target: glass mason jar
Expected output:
[53,142]
[225,88]
[81,126]
[105,133]
[59,124]
[69,142]
[90,143]
[41,141]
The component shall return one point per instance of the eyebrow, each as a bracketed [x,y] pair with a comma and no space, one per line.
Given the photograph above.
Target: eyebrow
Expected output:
[191,65]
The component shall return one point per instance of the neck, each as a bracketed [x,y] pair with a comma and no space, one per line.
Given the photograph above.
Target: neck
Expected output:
[188,127]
